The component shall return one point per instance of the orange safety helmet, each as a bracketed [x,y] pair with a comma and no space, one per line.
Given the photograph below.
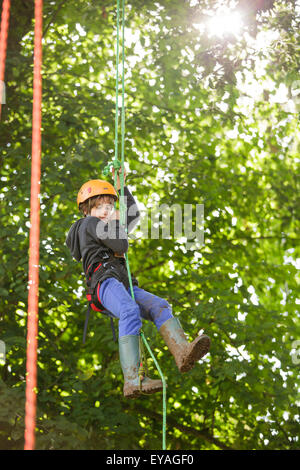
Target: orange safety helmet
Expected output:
[95,188]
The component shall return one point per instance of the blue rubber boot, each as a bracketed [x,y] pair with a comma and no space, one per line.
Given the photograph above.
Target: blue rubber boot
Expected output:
[185,353]
[130,363]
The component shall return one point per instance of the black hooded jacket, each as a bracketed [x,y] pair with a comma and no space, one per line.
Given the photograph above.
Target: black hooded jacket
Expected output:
[91,240]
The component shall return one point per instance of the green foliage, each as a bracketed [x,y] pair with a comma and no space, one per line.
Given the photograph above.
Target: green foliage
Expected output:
[235,153]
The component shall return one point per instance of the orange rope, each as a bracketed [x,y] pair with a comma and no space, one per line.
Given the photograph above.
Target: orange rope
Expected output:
[34,236]
[3,45]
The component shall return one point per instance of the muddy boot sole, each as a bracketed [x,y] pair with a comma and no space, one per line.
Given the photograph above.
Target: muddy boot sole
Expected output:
[197,349]
[148,387]
[152,386]
[130,391]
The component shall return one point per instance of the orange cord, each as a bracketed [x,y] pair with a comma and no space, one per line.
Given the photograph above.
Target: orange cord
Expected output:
[3,45]
[34,236]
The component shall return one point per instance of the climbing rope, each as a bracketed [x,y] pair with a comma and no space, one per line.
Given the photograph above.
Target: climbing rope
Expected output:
[3,45]
[117,164]
[34,236]
[164,391]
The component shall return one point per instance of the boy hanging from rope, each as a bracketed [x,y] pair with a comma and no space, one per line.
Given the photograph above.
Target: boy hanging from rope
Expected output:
[100,240]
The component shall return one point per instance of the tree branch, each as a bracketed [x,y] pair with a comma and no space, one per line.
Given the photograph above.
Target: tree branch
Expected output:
[202,434]
[53,16]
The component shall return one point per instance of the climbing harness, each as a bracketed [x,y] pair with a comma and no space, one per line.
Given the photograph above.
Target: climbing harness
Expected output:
[116,164]
[113,263]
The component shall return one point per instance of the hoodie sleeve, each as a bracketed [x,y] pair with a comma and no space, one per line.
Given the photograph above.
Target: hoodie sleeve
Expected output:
[72,240]
[111,234]
[132,213]
[90,231]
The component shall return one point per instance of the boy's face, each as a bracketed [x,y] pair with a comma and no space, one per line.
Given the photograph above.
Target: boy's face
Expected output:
[103,210]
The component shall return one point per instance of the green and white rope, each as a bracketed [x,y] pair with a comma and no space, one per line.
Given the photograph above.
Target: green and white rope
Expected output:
[117,164]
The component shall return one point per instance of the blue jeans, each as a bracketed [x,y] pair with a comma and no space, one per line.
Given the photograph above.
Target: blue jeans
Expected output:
[115,298]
